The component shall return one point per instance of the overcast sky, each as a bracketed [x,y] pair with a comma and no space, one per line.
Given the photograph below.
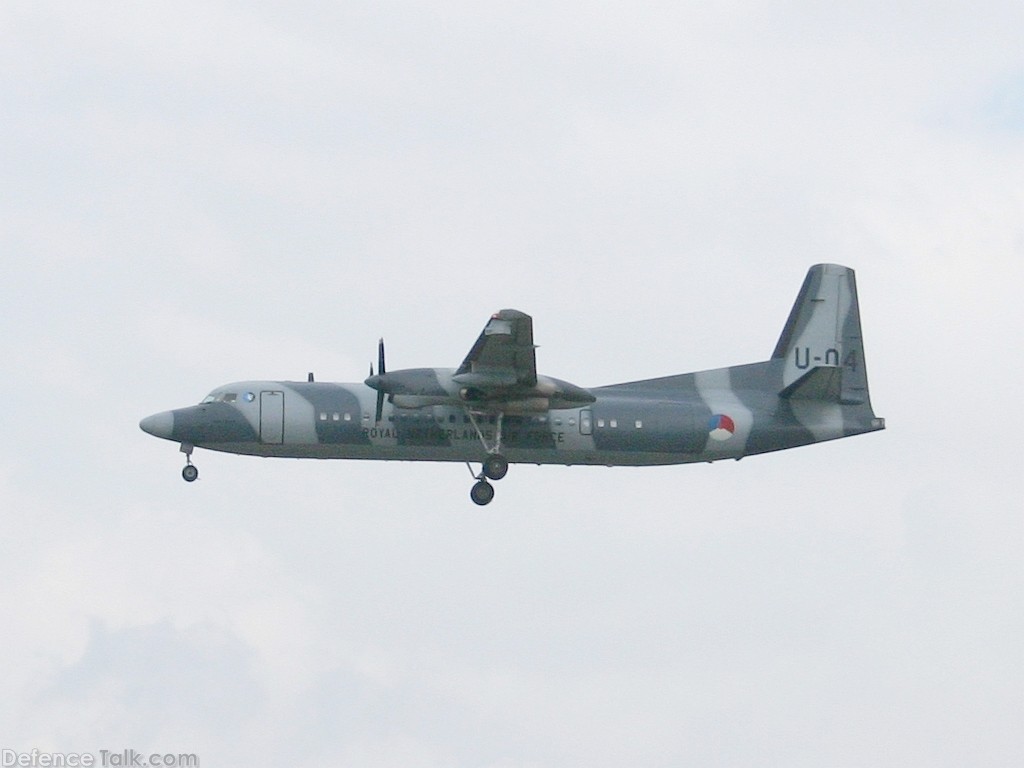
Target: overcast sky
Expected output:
[200,192]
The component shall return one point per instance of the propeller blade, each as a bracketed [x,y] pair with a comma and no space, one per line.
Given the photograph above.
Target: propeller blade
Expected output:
[381,370]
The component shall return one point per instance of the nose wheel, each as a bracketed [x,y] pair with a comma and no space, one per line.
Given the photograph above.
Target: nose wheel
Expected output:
[190,473]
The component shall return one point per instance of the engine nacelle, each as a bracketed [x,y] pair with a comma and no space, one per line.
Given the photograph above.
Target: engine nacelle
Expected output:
[525,405]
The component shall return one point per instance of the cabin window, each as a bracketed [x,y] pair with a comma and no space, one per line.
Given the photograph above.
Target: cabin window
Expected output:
[639,424]
[348,417]
[323,416]
[572,422]
[600,422]
[336,417]
[613,423]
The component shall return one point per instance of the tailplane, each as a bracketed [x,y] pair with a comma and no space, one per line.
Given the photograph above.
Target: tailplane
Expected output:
[821,343]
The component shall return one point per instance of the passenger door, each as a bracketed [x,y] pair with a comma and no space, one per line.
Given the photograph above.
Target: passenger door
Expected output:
[272,417]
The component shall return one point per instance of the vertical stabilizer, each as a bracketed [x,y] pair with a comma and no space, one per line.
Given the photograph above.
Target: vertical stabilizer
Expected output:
[823,332]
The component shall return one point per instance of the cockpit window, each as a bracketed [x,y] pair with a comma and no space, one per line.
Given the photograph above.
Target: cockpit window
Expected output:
[221,397]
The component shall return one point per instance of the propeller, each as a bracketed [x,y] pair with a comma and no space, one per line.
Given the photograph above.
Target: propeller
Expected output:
[380,371]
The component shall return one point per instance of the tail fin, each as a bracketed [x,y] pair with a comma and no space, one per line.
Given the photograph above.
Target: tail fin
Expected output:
[821,344]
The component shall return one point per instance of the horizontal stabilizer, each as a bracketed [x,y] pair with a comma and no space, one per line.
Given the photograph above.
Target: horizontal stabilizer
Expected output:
[823,382]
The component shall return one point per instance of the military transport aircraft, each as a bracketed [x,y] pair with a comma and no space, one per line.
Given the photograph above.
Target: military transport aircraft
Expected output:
[496,409]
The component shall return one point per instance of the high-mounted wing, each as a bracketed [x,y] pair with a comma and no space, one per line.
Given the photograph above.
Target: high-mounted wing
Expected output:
[499,374]
[503,355]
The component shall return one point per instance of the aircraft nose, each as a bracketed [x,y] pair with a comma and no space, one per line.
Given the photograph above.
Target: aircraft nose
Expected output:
[159,424]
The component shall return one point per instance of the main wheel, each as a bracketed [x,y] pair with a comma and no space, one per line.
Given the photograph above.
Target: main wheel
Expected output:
[495,466]
[481,493]
[190,473]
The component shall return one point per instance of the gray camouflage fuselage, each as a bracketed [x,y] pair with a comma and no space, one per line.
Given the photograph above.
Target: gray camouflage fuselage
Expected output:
[814,388]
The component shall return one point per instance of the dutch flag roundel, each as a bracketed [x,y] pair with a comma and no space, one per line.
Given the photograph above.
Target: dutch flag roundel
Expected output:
[721,427]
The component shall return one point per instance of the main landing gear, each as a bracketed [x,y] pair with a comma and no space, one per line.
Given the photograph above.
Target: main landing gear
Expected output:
[482,492]
[190,473]
[494,467]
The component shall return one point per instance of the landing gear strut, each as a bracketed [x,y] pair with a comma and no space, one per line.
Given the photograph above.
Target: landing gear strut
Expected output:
[494,467]
[190,472]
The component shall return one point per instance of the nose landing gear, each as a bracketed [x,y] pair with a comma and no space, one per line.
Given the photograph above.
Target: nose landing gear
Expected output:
[190,473]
